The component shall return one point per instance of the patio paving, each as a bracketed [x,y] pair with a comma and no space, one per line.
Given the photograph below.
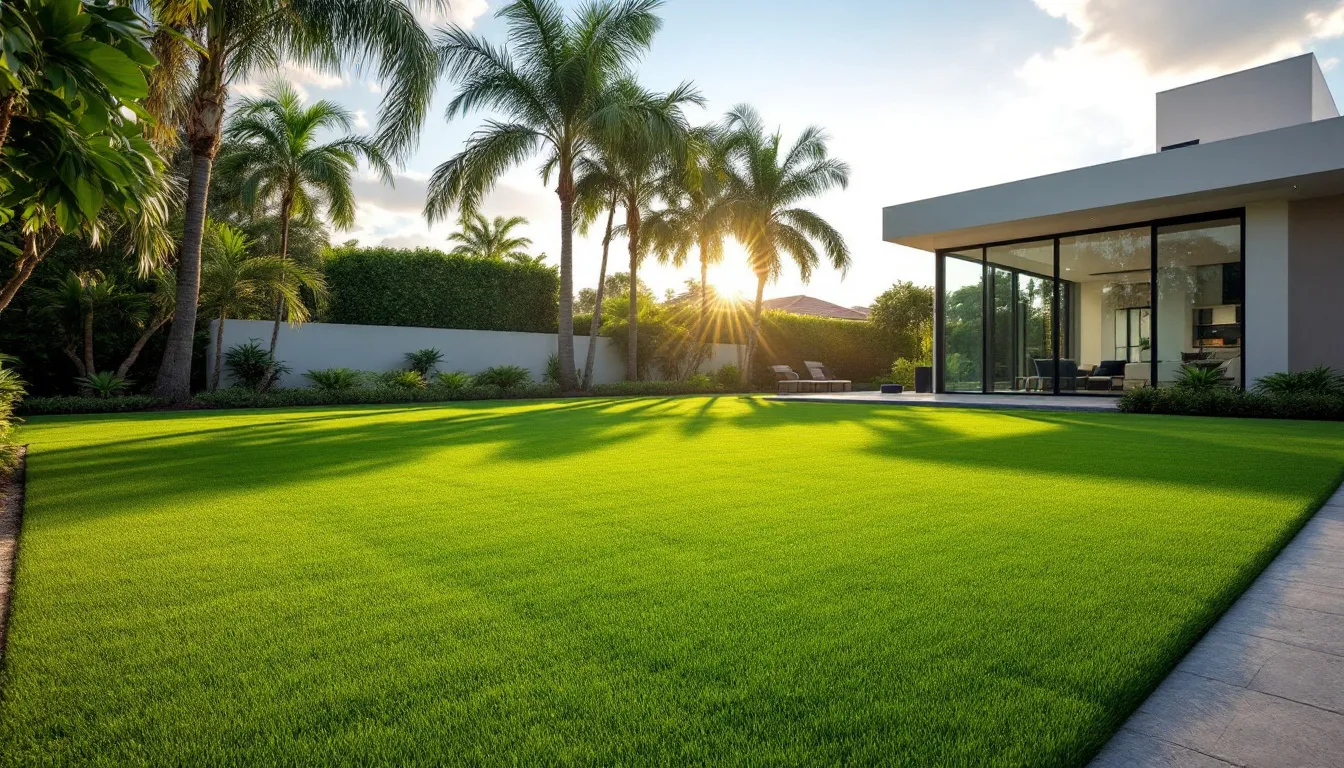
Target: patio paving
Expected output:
[1265,687]
[998,402]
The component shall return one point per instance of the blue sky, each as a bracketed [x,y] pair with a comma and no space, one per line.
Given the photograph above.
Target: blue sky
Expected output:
[921,99]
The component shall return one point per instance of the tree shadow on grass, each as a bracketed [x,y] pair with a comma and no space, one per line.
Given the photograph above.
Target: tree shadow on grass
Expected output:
[223,453]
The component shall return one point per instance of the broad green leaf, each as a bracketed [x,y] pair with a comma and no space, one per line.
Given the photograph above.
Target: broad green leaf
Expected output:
[89,196]
[122,76]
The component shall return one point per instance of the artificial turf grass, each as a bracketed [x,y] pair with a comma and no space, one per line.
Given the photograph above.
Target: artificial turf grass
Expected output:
[725,580]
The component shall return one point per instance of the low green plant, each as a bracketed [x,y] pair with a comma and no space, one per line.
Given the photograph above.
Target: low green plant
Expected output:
[424,361]
[104,385]
[1225,401]
[728,377]
[903,373]
[1196,379]
[1321,380]
[11,395]
[50,406]
[404,380]
[699,381]
[253,367]
[645,388]
[552,375]
[452,382]
[503,377]
[335,379]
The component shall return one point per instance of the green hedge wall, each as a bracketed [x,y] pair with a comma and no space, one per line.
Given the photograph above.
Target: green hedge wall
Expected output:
[851,349]
[425,288]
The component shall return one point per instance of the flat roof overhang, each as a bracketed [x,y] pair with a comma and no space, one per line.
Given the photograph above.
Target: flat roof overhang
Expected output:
[1298,162]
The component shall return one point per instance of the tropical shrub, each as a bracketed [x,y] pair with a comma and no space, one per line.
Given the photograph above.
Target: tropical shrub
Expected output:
[903,373]
[104,385]
[853,349]
[424,361]
[426,288]
[503,377]
[1225,401]
[1320,380]
[11,394]
[335,379]
[700,381]
[1195,379]
[728,377]
[65,404]
[403,380]
[253,367]
[238,397]
[452,382]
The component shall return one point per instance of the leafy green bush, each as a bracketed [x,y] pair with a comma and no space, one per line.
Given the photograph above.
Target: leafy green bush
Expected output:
[426,288]
[104,385]
[47,406]
[852,349]
[701,381]
[903,373]
[253,367]
[552,375]
[1320,380]
[503,376]
[403,380]
[335,379]
[452,382]
[11,395]
[1224,401]
[424,361]
[1195,379]
[238,397]
[729,377]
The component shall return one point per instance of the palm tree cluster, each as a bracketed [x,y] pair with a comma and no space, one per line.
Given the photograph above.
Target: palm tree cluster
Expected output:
[564,91]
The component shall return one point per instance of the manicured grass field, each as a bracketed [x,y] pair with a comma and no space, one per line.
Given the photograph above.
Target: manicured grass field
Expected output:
[662,581]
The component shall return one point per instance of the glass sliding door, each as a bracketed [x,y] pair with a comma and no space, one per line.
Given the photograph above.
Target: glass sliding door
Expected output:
[1020,349]
[1199,300]
[1104,289]
[963,322]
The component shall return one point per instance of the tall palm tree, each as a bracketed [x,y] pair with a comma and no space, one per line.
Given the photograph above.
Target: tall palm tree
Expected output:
[695,216]
[593,200]
[234,283]
[272,150]
[76,301]
[632,162]
[480,238]
[162,301]
[764,185]
[551,89]
[224,41]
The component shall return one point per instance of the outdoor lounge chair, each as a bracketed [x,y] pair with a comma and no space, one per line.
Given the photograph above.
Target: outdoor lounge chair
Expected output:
[821,373]
[789,382]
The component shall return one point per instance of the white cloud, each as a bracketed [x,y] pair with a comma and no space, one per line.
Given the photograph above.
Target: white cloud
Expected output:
[463,13]
[361,119]
[300,77]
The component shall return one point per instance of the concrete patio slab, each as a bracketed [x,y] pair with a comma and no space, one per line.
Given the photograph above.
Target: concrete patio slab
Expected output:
[1265,687]
[1089,403]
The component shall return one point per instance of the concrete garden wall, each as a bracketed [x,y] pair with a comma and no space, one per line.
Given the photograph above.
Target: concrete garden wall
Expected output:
[315,346]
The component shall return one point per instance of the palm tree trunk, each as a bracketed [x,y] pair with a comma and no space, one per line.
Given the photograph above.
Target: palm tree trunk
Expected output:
[597,305]
[632,328]
[203,129]
[80,371]
[219,351]
[754,340]
[286,205]
[88,342]
[704,294]
[134,354]
[565,344]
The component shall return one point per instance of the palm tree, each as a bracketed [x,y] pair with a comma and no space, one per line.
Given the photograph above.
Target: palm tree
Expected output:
[76,301]
[480,238]
[696,216]
[272,150]
[161,301]
[763,187]
[224,41]
[551,90]
[234,283]
[591,203]
[631,163]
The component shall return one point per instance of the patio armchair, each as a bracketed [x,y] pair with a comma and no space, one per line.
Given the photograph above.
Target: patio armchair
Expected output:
[1045,375]
[788,382]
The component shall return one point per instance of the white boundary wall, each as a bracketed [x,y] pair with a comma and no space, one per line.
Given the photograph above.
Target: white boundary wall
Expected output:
[315,346]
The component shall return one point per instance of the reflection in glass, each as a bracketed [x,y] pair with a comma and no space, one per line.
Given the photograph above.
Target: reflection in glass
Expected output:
[963,323]
[1199,301]
[1021,354]
[1105,280]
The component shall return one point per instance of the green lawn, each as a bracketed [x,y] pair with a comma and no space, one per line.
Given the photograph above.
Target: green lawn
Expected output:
[661,581]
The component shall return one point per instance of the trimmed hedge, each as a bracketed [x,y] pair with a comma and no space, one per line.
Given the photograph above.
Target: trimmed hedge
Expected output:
[425,288]
[44,406]
[851,349]
[1175,401]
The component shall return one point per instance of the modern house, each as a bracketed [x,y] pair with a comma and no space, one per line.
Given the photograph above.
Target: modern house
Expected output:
[814,307]
[1224,249]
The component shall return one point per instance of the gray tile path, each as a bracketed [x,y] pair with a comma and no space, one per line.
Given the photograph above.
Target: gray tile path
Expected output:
[1265,687]
[1023,402]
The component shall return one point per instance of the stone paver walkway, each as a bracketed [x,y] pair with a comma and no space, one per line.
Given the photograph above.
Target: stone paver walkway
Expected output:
[951,400]
[1265,687]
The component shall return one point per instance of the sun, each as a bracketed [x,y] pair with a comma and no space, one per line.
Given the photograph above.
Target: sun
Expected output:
[732,278]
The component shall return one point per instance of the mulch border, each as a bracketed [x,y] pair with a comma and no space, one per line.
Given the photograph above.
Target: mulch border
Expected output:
[11,519]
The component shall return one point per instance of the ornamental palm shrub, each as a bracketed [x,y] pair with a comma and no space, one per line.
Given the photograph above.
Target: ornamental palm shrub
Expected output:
[1196,379]
[334,379]
[503,377]
[1320,380]
[403,380]
[452,382]
[253,367]
[104,385]
[424,361]
[11,393]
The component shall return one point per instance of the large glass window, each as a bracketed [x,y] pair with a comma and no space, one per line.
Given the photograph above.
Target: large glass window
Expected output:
[1106,276]
[963,322]
[1020,349]
[1199,302]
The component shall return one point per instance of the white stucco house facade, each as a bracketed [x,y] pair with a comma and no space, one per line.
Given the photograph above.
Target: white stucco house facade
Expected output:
[1223,249]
